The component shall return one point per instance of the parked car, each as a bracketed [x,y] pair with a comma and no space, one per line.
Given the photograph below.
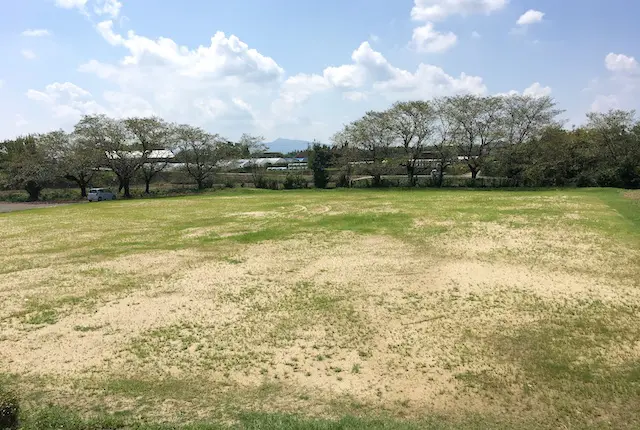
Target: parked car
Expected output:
[100,194]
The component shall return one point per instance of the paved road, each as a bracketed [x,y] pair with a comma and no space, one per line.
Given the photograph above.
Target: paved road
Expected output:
[11,207]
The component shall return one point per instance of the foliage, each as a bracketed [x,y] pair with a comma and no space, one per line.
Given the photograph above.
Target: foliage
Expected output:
[294,181]
[151,133]
[606,153]
[374,135]
[413,125]
[320,158]
[119,150]
[29,163]
[200,152]
[9,409]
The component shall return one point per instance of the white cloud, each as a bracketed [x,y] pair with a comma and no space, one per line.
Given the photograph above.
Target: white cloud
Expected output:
[224,57]
[430,81]
[534,90]
[374,38]
[108,7]
[530,17]
[28,54]
[355,96]
[70,4]
[438,10]
[537,90]
[346,76]
[40,32]
[621,90]
[476,35]
[215,84]
[67,101]
[604,103]
[374,70]
[215,109]
[621,63]
[427,39]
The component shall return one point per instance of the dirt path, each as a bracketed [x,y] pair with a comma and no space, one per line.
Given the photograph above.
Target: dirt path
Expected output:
[12,207]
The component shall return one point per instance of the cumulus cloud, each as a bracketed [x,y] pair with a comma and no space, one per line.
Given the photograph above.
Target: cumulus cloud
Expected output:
[438,10]
[537,90]
[28,54]
[66,101]
[530,17]
[224,57]
[427,39]
[40,32]
[604,103]
[374,70]
[107,7]
[621,63]
[621,89]
[355,96]
[70,4]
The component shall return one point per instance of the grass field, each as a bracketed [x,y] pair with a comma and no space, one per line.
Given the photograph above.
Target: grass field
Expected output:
[397,309]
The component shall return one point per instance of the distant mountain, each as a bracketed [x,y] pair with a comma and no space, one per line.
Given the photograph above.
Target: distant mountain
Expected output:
[287,145]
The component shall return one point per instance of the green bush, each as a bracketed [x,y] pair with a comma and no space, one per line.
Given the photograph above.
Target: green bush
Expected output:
[9,410]
[267,183]
[294,181]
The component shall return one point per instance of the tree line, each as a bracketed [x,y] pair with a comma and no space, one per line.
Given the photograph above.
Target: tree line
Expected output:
[518,138]
[125,147]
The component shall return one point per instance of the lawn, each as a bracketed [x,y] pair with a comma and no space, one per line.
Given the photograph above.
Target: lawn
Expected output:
[327,309]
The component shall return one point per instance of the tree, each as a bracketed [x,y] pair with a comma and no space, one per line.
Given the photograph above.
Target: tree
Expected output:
[121,150]
[479,125]
[344,155]
[30,163]
[444,133]
[78,158]
[374,135]
[527,117]
[320,158]
[200,152]
[412,123]
[615,137]
[152,134]
[250,145]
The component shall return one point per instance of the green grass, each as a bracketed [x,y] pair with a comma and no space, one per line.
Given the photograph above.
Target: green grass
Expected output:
[320,309]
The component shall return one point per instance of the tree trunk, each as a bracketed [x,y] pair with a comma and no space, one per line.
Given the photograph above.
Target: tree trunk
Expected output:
[441,178]
[127,191]
[146,185]
[411,176]
[82,183]
[34,191]
[377,180]
[474,172]
[200,184]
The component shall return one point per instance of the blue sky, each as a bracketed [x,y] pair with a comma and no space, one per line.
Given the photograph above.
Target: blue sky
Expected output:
[301,69]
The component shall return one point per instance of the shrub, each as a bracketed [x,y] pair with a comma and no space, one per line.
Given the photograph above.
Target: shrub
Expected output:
[229,182]
[294,181]
[9,410]
[266,183]
[343,181]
